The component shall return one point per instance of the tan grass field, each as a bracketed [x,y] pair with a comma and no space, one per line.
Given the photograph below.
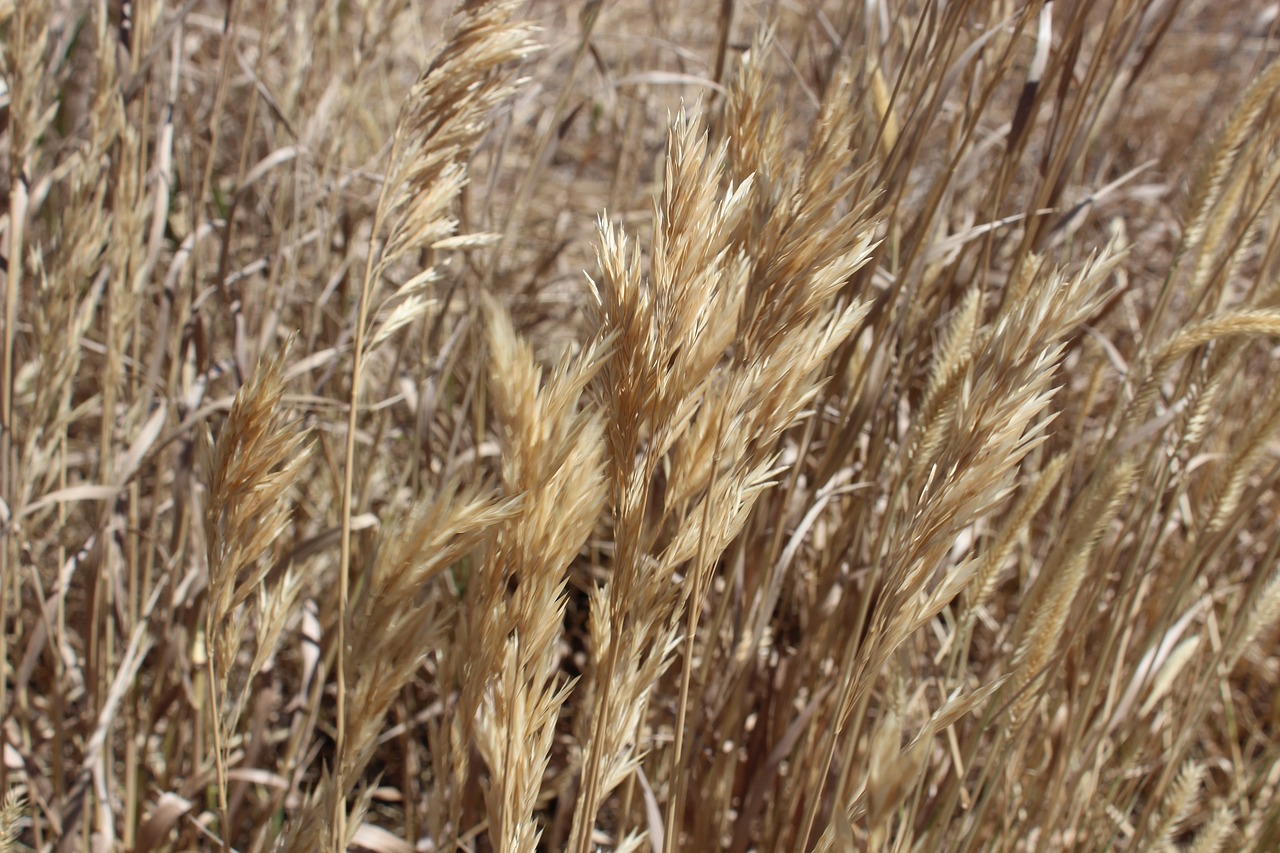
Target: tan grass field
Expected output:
[630,426]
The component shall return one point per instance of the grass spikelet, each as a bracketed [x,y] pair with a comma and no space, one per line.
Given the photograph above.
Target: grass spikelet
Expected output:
[754,151]
[1203,199]
[1244,322]
[954,351]
[670,331]
[255,461]
[443,121]
[11,812]
[987,575]
[553,459]
[1065,574]
[1178,803]
[1213,836]
[396,624]
[1261,616]
[1242,462]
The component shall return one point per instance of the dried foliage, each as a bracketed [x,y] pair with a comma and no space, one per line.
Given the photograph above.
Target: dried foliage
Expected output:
[806,427]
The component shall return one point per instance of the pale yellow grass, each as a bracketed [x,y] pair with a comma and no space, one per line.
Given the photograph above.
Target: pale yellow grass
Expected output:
[525,427]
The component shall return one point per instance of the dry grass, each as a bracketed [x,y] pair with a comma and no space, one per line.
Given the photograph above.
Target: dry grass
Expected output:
[813,426]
